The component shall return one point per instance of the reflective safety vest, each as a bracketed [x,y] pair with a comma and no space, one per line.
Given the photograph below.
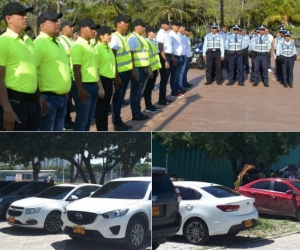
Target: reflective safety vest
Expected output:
[123,56]
[235,42]
[213,42]
[261,44]
[141,53]
[288,50]
[154,56]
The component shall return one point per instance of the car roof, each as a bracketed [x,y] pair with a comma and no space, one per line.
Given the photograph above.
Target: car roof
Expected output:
[133,179]
[277,179]
[194,184]
[159,169]
[77,185]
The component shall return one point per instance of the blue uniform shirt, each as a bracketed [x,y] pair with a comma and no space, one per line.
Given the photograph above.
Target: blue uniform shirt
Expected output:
[260,44]
[235,42]
[287,49]
[213,42]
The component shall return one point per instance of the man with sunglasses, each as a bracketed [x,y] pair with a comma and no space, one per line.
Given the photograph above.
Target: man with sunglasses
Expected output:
[20,109]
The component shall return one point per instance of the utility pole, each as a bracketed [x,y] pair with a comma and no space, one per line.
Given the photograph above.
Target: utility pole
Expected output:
[222,11]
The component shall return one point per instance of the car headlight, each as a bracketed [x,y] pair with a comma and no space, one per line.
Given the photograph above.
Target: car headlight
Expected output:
[34,210]
[115,214]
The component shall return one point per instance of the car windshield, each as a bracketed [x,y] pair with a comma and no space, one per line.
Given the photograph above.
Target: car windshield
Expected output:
[123,190]
[12,188]
[55,193]
[296,184]
[220,191]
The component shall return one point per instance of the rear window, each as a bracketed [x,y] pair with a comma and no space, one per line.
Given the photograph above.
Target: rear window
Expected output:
[281,187]
[265,185]
[220,191]
[161,184]
[296,184]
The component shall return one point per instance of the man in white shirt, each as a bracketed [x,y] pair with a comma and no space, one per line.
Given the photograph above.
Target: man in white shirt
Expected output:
[183,38]
[178,54]
[271,38]
[166,59]
[188,60]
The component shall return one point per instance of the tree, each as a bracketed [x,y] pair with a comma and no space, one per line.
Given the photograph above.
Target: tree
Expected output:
[238,148]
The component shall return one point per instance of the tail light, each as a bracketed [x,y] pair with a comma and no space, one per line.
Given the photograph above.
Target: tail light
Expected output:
[177,194]
[228,208]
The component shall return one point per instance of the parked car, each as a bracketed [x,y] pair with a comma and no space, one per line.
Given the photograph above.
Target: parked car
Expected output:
[166,219]
[44,210]
[120,211]
[19,190]
[4,183]
[275,196]
[211,209]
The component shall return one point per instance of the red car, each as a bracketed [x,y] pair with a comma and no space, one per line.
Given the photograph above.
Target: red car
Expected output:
[275,196]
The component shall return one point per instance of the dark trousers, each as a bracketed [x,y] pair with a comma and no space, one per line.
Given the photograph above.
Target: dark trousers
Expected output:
[287,71]
[175,73]
[103,105]
[148,90]
[70,104]
[28,112]
[164,76]
[118,97]
[261,61]
[213,62]
[246,60]
[235,63]
[279,70]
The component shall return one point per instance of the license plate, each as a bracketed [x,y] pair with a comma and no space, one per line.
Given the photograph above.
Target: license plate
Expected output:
[248,223]
[78,230]
[155,211]
[11,219]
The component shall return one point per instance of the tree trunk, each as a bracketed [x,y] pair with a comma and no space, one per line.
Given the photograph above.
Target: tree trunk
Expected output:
[102,178]
[87,161]
[36,167]
[79,168]
[126,169]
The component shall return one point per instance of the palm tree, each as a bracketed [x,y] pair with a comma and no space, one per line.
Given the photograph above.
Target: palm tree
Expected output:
[284,11]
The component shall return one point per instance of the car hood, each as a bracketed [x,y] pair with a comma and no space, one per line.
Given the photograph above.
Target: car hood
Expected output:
[33,202]
[100,205]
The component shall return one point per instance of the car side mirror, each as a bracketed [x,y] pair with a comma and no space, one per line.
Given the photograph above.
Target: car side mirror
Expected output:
[73,198]
[290,192]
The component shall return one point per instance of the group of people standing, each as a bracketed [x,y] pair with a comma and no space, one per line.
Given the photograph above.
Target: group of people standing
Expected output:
[40,79]
[230,51]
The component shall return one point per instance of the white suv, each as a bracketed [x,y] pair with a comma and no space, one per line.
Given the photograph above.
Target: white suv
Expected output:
[44,210]
[120,211]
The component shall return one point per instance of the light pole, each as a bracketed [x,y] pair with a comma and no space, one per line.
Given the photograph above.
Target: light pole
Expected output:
[222,11]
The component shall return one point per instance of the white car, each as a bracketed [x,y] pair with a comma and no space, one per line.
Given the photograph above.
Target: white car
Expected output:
[120,212]
[44,210]
[210,209]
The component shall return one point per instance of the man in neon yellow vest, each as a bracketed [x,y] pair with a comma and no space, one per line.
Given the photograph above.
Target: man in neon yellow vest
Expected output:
[120,48]
[141,68]
[67,30]
[155,66]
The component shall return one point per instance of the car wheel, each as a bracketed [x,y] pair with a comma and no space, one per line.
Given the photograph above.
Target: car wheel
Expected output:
[196,232]
[155,245]
[135,234]
[298,214]
[53,223]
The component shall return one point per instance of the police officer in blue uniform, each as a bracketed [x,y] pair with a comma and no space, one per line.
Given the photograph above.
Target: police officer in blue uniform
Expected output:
[278,65]
[234,51]
[261,47]
[213,53]
[287,54]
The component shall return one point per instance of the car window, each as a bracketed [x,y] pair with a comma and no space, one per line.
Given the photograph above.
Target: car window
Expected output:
[12,188]
[84,191]
[123,190]
[189,193]
[296,184]
[161,184]
[44,185]
[55,192]
[262,185]
[281,187]
[220,191]
[31,189]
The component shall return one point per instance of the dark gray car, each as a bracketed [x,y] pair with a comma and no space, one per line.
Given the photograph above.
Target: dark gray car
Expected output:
[166,219]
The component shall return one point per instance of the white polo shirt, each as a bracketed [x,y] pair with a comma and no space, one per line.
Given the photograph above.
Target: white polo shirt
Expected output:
[163,37]
[183,42]
[188,47]
[176,43]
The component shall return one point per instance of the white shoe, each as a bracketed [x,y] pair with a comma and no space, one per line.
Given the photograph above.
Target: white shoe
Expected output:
[270,70]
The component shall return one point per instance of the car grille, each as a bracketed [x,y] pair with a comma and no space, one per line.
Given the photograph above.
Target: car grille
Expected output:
[14,212]
[81,218]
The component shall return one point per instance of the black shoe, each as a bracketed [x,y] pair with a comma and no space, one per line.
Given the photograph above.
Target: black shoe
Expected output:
[69,125]
[251,81]
[164,101]
[207,83]
[187,85]
[151,109]
[126,125]
[291,86]
[140,117]
[230,83]
[181,90]
[124,102]
[255,84]
[266,85]
[241,84]
[285,85]
[119,127]
[219,82]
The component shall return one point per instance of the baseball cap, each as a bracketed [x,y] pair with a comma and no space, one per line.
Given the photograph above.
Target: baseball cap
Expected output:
[66,23]
[88,22]
[188,29]
[139,22]
[48,16]
[104,30]
[164,21]
[176,23]
[151,29]
[122,18]
[14,8]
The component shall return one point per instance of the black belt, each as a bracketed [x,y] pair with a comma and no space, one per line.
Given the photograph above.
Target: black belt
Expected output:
[12,94]
[90,83]
[262,53]
[168,55]
[51,93]
[213,50]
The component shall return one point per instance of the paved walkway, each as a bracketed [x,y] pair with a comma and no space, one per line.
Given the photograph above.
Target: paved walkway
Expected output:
[225,108]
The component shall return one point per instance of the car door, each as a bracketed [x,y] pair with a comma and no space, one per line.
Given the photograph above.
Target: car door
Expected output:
[281,202]
[261,192]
